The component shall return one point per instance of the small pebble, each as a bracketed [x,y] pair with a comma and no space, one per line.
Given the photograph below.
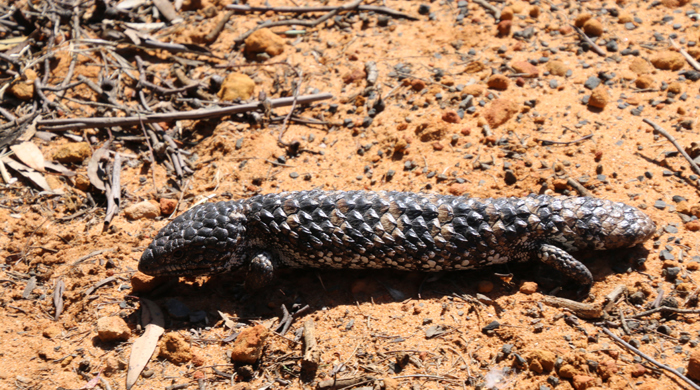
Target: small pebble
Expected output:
[592,82]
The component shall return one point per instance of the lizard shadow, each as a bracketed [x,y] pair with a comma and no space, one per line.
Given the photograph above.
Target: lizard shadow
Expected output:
[322,289]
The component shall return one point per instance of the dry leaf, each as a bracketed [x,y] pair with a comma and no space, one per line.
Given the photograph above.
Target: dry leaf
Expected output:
[29,154]
[228,322]
[58,298]
[9,43]
[59,168]
[30,131]
[129,4]
[143,347]
[94,166]
[36,177]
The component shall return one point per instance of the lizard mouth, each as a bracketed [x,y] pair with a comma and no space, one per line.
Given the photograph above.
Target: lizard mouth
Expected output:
[175,266]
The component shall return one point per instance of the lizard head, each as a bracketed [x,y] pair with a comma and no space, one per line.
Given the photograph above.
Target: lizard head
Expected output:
[204,240]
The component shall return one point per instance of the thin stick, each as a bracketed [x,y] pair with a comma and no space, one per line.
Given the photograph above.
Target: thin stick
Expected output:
[675,143]
[82,123]
[595,47]
[113,192]
[214,33]
[685,54]
[299,10]
[294,105]
[495,12]
[546,141]
[668,309]
[298,22]
[645,356]
[578,186]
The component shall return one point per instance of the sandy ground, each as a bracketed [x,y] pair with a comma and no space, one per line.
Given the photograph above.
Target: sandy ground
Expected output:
[529,80]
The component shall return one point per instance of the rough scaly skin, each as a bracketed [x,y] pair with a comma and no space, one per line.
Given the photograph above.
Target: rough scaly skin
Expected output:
[399,230]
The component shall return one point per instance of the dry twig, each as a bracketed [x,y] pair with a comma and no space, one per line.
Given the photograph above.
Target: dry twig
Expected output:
[675,143]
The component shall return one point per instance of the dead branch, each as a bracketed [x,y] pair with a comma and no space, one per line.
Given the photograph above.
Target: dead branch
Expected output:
[84,123]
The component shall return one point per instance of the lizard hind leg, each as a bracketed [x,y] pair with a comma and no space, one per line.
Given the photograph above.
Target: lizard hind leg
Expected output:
[261,271]
[563,262]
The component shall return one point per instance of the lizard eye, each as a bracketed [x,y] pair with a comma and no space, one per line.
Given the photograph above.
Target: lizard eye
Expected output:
[178,254]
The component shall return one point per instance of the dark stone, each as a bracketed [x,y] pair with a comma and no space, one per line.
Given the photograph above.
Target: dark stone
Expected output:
[672,273]
[592,82]
[666,255]
[492,326]
[177,309]
[660,204]
[510,178]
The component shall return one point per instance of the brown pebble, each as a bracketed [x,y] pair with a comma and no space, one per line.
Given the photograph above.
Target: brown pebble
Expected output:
[465,131]
[669,264]
[520,81]
[674,3]
[438,146]
[644,82]
[694,365]
[457,189]
[625,18]
[142,283]
[198,360]
[51,331]
[474,67]
[507,13]
[500,111]
[541,361]
[474,90]
[693,226]
[598,155]
[175,348]
[567,371]
[675,87]
[582,382]
[198,375]
[607,369]
[693,266]
[504,27]
[112,328]
[638,370]
[640,66]
[418,85]
[599,97]
[593,28]
[528,288]
[484,286]
[557,68]
[354,76]
[248,346]
[236,86]
[534,12]
[498,82]
[400,146]
[581,19]
[694,52]
[527,68]
[167,206]
[73,153]
[668,60]
[450,116]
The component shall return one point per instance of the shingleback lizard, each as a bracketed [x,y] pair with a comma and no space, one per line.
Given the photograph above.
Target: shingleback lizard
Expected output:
[399,230]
